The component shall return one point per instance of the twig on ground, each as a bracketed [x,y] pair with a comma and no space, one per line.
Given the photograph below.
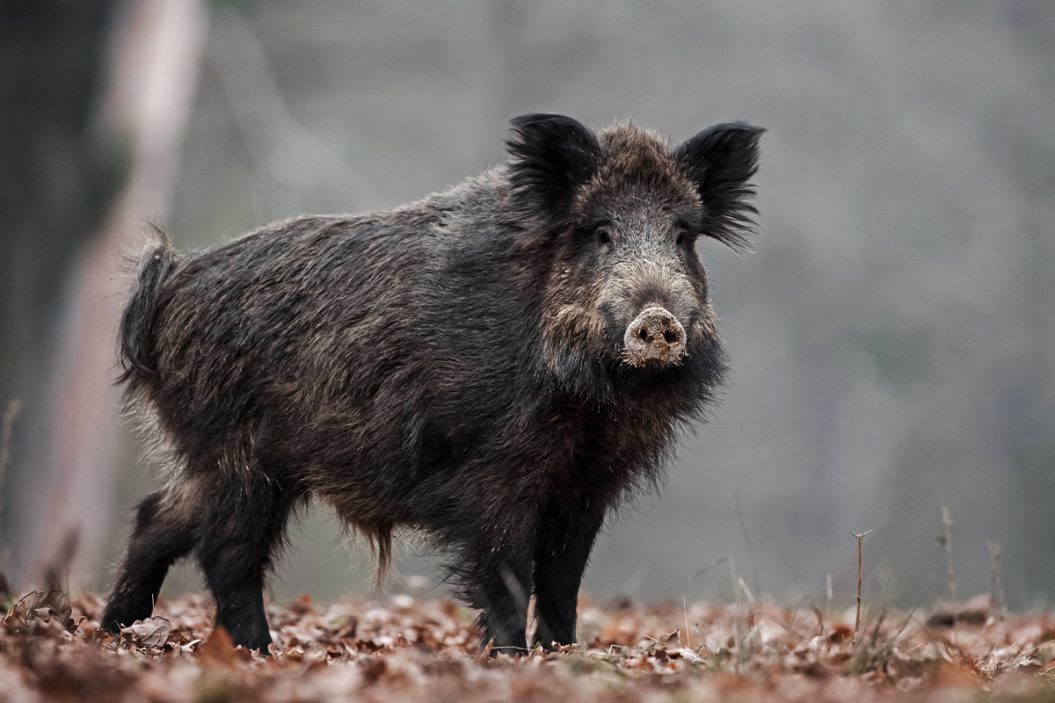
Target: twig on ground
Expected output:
[822,631]
[716,563]
[859,536]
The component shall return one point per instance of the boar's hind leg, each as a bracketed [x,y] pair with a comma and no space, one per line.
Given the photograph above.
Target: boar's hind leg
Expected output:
[565,539]
[163,533]
[244,527]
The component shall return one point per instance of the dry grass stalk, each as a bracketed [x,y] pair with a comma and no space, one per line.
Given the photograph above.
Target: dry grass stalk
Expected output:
[996,593]
[741,631]
[829,593]
[945,540]
[686,640]
[747,542]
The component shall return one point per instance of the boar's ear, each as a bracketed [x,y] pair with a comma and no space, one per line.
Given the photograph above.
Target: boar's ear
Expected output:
[552,156]
[720,160]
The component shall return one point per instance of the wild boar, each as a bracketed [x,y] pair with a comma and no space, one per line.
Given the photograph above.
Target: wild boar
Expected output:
[495,366]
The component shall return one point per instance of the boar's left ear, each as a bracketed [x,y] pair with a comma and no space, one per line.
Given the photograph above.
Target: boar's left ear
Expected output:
[720,161]
[552,156]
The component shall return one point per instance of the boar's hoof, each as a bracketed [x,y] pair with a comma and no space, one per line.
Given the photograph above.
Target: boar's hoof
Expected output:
[654,338]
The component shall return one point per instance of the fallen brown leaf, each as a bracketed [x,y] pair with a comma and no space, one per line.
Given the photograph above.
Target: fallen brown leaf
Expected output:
[152,632]
[42,606]
[218,649]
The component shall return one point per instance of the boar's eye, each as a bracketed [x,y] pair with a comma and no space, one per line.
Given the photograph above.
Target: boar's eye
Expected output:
[685,234]
[605,233]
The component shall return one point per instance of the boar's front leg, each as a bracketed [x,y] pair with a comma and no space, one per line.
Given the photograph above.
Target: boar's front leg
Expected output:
[567,530]
[497,580]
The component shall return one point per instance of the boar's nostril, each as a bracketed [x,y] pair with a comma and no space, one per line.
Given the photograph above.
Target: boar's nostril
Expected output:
[655,337]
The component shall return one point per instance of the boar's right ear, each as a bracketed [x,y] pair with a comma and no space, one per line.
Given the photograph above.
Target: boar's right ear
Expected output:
[720,162]
[552,156]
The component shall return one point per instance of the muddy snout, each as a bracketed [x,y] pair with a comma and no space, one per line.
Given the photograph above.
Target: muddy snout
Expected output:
[655,337]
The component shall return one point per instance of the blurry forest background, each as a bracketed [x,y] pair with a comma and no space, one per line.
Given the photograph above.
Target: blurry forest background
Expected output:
[892,340]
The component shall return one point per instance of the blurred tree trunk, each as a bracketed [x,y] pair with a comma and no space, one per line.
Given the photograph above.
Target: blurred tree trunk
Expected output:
[57,175]
[145,73]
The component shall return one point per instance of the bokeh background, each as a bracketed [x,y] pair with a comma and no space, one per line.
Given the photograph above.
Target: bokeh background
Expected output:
[892,337]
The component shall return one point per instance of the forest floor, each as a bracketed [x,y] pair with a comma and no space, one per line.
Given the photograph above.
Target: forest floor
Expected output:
[407,650]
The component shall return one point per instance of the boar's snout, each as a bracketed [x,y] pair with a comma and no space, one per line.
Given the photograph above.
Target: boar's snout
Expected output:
[655,337]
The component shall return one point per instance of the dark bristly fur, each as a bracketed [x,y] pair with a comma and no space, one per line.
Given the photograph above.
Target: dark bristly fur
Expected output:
[455,366]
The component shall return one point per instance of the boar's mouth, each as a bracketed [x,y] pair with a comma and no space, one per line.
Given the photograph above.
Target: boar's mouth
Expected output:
[654,338]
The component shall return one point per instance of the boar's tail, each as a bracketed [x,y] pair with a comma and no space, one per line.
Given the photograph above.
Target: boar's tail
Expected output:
[137,320]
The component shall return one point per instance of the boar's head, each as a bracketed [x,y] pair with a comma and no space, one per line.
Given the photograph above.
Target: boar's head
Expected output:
[615,216]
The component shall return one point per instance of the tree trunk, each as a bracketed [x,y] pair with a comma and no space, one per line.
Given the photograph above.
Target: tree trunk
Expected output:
[150,83]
